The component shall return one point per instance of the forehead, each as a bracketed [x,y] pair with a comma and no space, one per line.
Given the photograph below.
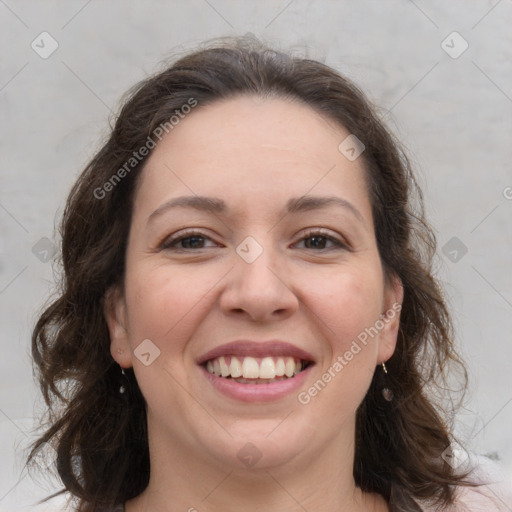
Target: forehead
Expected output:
[231,126]
[251,149]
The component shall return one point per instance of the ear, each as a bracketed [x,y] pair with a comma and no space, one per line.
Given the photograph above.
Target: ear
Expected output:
[393,298]
[114,310]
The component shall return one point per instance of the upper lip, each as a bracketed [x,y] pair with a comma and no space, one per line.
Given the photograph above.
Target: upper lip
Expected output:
[272,348]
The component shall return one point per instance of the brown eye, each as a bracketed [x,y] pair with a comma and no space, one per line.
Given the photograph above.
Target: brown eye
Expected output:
[192,242]
[318,240]
[188,241]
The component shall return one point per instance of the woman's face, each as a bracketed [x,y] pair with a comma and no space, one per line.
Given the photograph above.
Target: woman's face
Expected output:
[277,269]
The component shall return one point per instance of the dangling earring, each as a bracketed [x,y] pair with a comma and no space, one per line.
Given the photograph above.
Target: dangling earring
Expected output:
[386,392]
[124,386]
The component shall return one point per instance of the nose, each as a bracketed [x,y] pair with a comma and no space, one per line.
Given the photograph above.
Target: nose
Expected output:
[259,291]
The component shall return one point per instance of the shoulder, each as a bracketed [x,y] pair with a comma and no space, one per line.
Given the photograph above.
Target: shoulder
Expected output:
[493,492]
[480,499]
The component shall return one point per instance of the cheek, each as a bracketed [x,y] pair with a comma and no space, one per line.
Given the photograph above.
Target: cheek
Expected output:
[345,302]
[345,305]
[165,304]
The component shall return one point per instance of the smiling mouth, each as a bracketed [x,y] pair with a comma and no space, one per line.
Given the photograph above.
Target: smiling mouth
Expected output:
[256,370]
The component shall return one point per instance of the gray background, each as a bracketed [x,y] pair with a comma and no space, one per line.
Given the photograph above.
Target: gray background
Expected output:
[453,114]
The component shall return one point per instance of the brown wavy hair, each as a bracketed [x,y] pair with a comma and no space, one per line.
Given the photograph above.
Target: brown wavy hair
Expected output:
[100,439]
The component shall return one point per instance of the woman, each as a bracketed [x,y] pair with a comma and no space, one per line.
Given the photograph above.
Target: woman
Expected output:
[248,319]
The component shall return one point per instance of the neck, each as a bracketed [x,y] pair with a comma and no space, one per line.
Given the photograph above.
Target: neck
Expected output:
[182,480]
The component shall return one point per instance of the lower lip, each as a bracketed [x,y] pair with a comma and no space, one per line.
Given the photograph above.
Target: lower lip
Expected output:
[257,392]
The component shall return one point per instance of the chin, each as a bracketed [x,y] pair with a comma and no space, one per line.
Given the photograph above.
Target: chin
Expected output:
[259,445]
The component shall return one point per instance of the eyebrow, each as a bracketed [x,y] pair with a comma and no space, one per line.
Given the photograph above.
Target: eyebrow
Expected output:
[294,205]
[306,203]
[201,203]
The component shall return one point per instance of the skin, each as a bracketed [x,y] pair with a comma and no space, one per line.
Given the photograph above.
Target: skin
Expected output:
[255,154]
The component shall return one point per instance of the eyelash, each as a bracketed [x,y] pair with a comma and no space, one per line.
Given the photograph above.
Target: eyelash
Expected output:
[169,243]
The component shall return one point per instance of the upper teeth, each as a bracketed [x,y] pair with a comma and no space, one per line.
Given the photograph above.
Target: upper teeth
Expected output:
[254,368]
